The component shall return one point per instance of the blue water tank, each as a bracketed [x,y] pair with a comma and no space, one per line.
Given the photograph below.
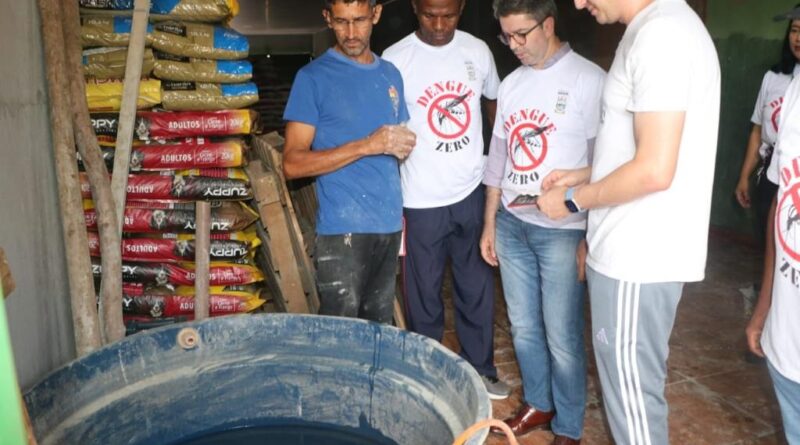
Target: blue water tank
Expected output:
[242,372]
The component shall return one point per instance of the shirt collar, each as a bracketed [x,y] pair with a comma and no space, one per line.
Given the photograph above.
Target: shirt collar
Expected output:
[558,55]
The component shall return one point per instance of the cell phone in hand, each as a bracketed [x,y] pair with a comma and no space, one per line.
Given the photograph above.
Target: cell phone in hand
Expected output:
[524,200]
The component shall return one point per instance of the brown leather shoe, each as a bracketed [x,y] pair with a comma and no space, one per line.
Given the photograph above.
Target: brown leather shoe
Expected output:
[527,419]
[564,440]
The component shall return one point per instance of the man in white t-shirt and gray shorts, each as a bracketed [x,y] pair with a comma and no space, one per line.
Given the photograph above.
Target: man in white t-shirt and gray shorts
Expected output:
[649,197]
[446,73]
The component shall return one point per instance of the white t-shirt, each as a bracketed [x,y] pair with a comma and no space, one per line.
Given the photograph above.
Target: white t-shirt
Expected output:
[443,89]
[768,107]
[666,61]
[781,336]
[546,116]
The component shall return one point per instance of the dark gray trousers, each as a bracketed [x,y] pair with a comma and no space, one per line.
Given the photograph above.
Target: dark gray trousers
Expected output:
[356,275]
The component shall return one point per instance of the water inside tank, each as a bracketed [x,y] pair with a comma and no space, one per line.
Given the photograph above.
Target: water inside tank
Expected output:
[293,434]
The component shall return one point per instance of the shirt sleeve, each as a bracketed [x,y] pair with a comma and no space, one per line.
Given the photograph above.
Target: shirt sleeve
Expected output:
[660,68]
[592,95]
[492,82]
[302,104]
[496,163]
[499,129]
[788,146]
[403,115]
[758,110]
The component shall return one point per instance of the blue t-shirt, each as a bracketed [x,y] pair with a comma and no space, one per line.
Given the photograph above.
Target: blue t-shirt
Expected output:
[346,101]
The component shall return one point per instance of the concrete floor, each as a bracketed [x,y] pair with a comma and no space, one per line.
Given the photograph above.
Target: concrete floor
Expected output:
[715,396]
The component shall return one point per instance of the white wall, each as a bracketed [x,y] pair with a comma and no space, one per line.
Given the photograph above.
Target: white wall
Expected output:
[30,226]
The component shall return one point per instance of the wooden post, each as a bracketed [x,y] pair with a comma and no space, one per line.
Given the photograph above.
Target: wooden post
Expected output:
[110,244]
[127,113]
[202,243]
[79,267]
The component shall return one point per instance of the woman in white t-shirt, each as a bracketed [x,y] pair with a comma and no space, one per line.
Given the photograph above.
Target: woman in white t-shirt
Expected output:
[764,132]
[773,330]
[763,135]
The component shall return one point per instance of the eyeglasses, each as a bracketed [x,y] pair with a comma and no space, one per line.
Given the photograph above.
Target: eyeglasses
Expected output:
[519,37]
[358,22]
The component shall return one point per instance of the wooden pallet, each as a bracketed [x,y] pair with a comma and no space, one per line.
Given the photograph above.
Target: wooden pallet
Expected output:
[285,254]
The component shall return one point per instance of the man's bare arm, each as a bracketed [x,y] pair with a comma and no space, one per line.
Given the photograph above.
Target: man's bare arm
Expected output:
[299,161]
[658,138]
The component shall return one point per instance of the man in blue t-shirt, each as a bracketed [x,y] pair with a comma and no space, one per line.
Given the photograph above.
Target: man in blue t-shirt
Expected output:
[344,126]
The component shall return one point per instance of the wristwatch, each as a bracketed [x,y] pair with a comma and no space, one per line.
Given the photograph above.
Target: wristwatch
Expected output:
[572,206]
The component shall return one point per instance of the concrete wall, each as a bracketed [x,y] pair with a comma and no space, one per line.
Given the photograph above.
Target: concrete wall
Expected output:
[30,226]
[748,43]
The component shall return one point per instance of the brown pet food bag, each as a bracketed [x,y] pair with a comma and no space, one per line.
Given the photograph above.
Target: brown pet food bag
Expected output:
[187,69]
[196,10]
[187,96]
[109,63]
[200,40]
[109,31]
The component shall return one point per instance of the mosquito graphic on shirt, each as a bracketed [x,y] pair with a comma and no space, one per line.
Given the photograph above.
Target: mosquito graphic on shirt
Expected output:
[450,108]
[792,218]
[787,211]
[530,138]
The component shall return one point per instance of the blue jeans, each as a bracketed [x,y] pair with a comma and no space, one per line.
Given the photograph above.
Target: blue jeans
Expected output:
[788,392]
[545,307]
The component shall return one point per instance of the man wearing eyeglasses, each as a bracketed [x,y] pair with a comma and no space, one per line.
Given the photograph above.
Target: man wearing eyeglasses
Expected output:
[649,195]
[345,114]
[446,73]
[547,117]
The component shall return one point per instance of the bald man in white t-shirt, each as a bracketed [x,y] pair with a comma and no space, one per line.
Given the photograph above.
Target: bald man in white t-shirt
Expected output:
[649,198]
[447,74]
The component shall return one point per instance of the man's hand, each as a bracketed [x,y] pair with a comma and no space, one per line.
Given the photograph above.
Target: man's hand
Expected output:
[487,245]
[566,178]
[743,193]
[580,259]
[395,140]
[551,203]
[753,333]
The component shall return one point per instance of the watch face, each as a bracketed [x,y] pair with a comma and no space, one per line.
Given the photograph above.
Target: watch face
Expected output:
[571,206]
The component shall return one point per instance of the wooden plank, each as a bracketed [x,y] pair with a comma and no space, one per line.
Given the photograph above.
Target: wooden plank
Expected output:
[307,269]
[283,255]
[6,280]
[265,186]
[269,145]
[399,317]
[285,264]
[264,260]
[202,245]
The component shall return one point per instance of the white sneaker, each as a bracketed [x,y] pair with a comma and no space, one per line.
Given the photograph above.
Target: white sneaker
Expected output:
[497,389]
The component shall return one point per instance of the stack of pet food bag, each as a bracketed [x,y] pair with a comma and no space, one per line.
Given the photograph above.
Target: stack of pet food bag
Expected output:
[189,145]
